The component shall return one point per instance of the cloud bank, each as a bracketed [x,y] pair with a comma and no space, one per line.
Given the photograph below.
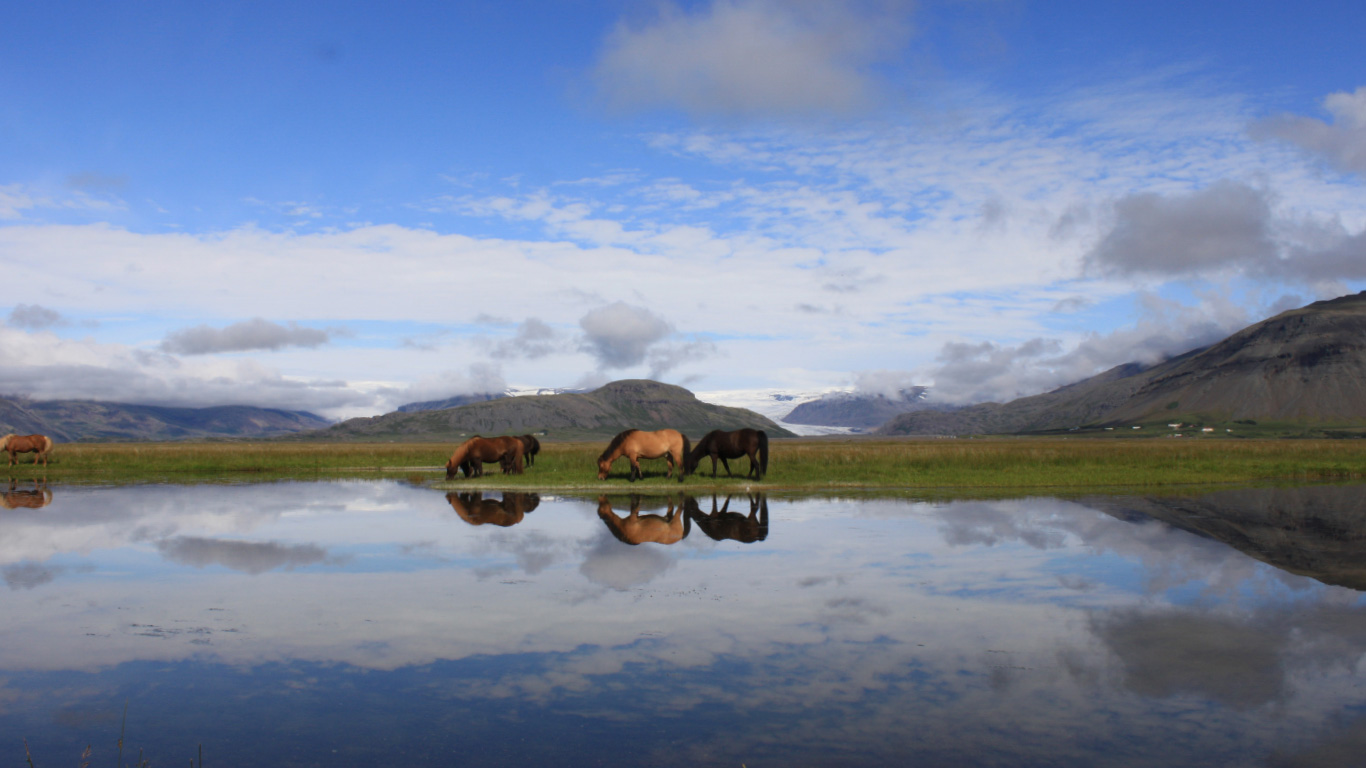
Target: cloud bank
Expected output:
[254,334]
[753,57]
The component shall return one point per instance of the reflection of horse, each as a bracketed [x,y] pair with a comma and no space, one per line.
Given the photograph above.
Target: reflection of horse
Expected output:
[37,498]
[530,447]
[39,445]
[724,524]
[669,528]
[635,445]
[732,445]
[471,455]
[474,509]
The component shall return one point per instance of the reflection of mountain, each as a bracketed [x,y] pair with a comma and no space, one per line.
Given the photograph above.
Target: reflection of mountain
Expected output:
[1317,531]
[253,557]
[508,511]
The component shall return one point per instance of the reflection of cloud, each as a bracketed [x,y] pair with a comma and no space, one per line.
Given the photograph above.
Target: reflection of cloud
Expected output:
[1167,653]
[619,567]
[30,575]
[246,556]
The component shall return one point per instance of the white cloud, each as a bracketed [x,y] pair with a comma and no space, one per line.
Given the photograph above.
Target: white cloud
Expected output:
[254,334]
[753,57]
[1341,143]
[620,335]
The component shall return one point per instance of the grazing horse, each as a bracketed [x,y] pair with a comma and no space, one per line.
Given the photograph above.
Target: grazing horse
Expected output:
[530,447]
[732,445]
[37,498]
[724,524]
[474,509]
[471,455]
[39,445]
[669,528]
[636,445]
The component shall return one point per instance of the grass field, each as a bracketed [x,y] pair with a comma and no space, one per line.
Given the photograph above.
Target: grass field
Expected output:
[801,465]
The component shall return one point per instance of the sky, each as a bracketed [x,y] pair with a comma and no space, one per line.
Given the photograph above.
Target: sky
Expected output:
[342,207]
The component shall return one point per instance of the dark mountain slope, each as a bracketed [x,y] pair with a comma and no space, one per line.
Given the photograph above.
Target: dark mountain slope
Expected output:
[857,410]
[89,420]
[601,413]
[1306,365]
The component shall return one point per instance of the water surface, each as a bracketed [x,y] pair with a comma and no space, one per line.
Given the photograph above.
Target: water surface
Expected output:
[364,623]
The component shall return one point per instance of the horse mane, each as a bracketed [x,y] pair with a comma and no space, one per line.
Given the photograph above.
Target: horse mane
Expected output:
[616,443]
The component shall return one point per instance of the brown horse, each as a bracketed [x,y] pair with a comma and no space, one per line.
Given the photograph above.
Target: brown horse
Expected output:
[37,498]
[724,524]
[732,445]
[474,509]
[669,528]
[530,447]
[471,455]
[636,445]
[39,445]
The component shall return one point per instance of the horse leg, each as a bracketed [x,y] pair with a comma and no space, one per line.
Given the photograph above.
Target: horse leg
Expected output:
[713,465]
[726,464]
[635,470]
[753,465]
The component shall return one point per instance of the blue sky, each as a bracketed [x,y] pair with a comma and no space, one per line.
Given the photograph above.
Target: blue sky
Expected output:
[340,208]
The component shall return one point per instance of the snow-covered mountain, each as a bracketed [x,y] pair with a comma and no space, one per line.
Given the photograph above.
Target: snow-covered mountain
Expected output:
[776,404]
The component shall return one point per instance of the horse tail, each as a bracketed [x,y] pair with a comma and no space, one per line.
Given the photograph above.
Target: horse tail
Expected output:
[763,453]
[685,459]
[4,441]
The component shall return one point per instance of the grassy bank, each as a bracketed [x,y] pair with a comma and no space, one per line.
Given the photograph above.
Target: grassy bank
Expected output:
[800,465]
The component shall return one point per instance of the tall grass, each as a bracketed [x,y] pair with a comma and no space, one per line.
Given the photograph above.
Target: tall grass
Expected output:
[803,464]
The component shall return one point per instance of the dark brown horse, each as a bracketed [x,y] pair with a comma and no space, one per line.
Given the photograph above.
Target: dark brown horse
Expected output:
[471,455]
[530,447]
[724,524]
[474,509]
[732,445]
[635,445]
[39,445]
[669,528]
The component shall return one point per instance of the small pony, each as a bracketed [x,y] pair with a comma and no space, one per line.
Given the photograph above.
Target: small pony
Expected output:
[530,447]
[635,445]
[39,445]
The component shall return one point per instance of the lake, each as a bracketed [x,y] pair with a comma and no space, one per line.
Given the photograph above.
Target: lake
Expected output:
[380,623]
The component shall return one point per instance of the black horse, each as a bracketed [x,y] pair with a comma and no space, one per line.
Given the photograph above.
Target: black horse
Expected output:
[530,447]
[722,445]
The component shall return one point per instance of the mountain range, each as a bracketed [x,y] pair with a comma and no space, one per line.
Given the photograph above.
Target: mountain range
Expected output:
[602,413]
[1305,367]
[88,420]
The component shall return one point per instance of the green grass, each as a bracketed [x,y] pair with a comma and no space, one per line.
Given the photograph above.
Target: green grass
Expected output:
[802,465]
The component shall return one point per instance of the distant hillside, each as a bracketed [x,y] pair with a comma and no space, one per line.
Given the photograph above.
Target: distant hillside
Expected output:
[1305,366]
[450,402]
[580,416]
[88,420]
[857,410]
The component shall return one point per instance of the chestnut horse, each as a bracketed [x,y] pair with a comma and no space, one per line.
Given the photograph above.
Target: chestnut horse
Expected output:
[471,455]
[39,445]
[636,445]
[732,445]
[669,528]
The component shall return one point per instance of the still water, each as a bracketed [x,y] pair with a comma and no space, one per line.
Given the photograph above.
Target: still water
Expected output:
[377,623]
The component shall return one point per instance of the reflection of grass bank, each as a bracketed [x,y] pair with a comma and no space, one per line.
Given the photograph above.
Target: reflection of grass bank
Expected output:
[817,464]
